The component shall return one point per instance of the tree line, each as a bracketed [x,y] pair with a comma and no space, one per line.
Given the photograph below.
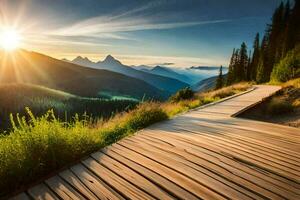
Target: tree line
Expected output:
[276,56]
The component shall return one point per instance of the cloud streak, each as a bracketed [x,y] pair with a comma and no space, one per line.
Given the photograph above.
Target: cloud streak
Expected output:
[137,19]
[101,26]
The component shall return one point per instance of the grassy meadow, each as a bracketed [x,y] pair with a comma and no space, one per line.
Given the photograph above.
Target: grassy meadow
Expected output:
[37,146]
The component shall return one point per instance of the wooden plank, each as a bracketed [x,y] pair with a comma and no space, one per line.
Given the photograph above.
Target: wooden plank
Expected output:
[166,172]
[237,176]
[62,189]
[229,140]
[242,157]
[216,155]
[92,182]
[131,176]
[42,192]
[119,184]
[203,164]
[219,175]
[75,182]
[156,178]
[22,196]
[234,124]
[188,169]
[224,129]
[245,150]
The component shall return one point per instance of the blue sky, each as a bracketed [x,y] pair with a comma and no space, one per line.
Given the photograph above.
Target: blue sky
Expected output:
[183,32]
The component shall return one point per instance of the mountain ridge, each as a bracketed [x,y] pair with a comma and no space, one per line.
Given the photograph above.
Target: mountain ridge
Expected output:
[168,84]
[39,69]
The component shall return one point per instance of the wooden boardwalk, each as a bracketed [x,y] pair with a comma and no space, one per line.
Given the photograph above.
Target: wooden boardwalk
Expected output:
[203,154]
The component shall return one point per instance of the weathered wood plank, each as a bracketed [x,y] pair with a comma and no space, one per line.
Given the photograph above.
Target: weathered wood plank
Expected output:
[73,180]
[217,155]
[248,178]
[131,176]
[166,172]
[206,182]
[62,189]
[97,186]
[161,181]
[119,184]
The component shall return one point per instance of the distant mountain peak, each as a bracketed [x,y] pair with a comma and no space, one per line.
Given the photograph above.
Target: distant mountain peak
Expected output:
[80,58]
[111,60]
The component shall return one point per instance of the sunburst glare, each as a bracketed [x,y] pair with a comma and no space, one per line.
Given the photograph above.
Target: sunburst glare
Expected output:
[10,39]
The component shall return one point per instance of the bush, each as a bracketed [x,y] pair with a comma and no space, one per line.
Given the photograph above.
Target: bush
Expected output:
[182,94]
[40,146]
[279,106]
[288,68]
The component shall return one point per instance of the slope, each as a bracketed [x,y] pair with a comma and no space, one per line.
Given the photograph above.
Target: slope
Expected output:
[206,84]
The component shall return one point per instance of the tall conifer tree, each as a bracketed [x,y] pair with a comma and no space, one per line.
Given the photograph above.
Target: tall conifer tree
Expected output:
[220,82]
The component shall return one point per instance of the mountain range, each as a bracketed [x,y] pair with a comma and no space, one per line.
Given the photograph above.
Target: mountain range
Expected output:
[38,69]
[166,83]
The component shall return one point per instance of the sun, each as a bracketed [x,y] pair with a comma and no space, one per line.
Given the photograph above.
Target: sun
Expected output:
[10,39]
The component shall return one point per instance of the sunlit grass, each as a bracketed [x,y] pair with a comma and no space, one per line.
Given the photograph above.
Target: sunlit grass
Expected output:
[41,145]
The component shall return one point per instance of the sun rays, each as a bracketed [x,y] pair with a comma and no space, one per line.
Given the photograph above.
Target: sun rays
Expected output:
[10,39]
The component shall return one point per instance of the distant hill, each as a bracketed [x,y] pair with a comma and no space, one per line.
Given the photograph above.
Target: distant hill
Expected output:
[34,68]
[170,85]
[206,84]
[15,97]
[164,71]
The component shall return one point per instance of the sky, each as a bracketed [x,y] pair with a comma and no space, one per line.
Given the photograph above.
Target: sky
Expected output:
[178,33]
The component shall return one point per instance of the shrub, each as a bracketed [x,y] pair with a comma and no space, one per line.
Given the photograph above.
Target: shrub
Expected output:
[288,68]
[40,146]
[279,106]
[182,94]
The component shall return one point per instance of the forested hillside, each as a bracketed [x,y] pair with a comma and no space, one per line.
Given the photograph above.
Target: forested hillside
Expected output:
[274,58]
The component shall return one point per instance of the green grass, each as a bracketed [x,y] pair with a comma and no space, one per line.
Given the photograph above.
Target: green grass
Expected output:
[39,145]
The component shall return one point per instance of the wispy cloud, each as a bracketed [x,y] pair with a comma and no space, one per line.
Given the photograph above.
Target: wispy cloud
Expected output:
[99,27]
[136,19]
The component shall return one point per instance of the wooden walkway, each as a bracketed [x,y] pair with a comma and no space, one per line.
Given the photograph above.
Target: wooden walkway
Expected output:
[203,154]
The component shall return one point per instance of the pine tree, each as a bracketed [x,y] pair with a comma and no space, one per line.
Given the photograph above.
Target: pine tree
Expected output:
[241,67]
[249,67]
[236,63]
[230,74]
[220,82]
[275,42]
[292,37]
[263,60]
[255,57]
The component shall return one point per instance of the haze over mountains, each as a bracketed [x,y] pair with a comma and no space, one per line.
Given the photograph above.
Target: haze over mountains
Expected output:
[163,71]
[183,76]
[85,78]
